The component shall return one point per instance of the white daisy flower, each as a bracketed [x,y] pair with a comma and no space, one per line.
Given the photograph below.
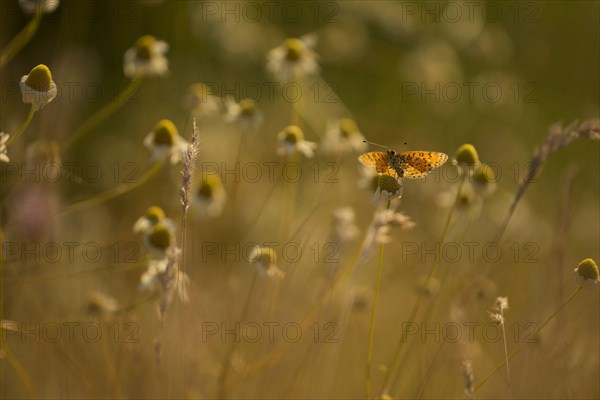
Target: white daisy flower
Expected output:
[146,58]
[210,197]
[466,158]
[3,150]
[38,88]
[35,6]
[265,260]
[164,141]
[388,188]
[161,237]
[379,231]
[343,224]
[291,140]
[587,273]
[101,304]
[343,136]
[368,179]
[151,217]
[484,180]
[245,113]
[164,274]
[149,278]
[201,100]
[293,58]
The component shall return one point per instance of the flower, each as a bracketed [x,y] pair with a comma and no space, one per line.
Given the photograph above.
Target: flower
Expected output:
[35,6]
[44,152]
[363,297]
[146,58]
[291,139]
[388,188]
[38,88]
[586,273]
[293,58]
[164,274]
[33,209]
[201,100]
[343,136]
[265,260]
[245,112]
[497,314]
[100,303]
[161,237]
[150,277]
[151,217]
[466,198]
[428,285]
[210,197]
[466,158]
[468,204]
[501,303]
[165,141]
[379,231]
[484,180]
[343,224]
[3,150]
[368,179]
[387,219]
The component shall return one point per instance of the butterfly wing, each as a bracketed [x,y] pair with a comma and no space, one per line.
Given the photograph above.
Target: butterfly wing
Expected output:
[379,160]
[417,164]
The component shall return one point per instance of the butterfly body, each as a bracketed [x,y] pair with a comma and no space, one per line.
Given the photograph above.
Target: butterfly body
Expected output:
[408,164]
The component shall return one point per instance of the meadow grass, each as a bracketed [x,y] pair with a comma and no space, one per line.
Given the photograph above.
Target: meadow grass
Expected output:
[184,214]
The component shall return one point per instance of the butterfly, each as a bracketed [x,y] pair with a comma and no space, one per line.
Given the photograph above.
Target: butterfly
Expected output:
[407,164]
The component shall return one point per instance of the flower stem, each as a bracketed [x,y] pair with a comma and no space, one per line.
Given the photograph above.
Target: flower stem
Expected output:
[289,204]
[23,127]
[368,383]
[514,353]
[388,374]
[104,112]
[21,39]
[506,355]
[297,105]
[234,190]
[114,192]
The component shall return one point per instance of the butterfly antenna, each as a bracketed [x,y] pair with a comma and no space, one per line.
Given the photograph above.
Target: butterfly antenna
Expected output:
[375,144]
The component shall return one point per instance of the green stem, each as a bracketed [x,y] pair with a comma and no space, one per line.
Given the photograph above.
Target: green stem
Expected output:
[21,39]
[114,192]
[234,191]
[514,353]
[104,112]
[413,313]
[297,105]
[446,228]
[23,127]
[289,204]
[368,383]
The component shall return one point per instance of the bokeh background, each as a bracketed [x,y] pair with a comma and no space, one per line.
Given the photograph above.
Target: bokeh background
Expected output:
[543,55]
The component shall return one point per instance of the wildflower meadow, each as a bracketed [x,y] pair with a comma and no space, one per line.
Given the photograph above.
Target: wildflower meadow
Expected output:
[299,199]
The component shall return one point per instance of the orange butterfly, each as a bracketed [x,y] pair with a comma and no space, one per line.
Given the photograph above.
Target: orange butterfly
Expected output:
[407,164]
